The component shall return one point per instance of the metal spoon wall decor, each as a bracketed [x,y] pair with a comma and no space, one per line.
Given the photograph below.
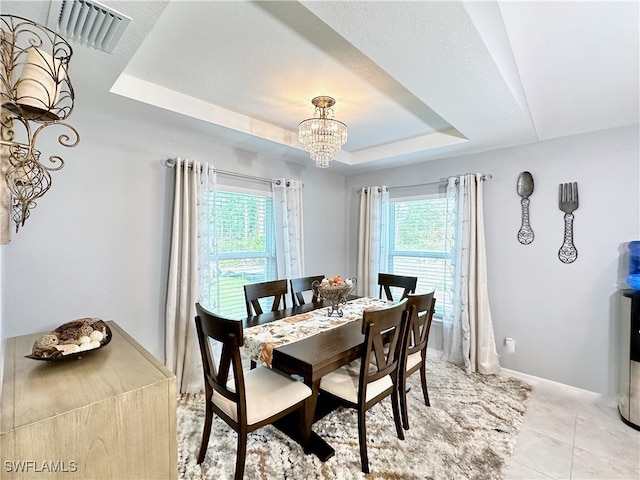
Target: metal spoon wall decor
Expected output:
[524,187]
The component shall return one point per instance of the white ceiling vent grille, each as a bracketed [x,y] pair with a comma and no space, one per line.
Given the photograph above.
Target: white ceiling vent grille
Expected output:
[89,23]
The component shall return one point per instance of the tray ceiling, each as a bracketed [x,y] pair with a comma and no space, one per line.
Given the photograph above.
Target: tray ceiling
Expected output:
[413,80]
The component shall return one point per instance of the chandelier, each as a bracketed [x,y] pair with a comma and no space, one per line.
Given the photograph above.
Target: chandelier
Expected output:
[322,135]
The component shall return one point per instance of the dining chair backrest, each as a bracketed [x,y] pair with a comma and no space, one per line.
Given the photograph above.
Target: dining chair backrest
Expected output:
[383,329]
[414,358]
[420,321]
[388,280]
[229,333]
[301,285]
[248,401]
[376,371]
[256,291]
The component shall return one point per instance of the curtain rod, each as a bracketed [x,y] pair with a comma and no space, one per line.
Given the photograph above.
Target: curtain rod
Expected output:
[171,162]
[485,176]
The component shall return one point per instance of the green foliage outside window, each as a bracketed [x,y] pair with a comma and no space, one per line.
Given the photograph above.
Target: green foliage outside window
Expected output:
[240,222]
[419,225]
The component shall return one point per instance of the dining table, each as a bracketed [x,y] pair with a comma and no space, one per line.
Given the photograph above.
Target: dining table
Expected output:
[308,342]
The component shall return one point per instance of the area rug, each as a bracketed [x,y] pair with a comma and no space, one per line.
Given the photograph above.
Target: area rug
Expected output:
[469,432]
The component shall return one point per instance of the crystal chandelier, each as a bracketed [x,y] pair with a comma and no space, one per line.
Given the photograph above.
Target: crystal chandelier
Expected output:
[322,135]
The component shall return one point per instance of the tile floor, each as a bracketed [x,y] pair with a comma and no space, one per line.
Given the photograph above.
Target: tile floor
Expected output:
[567,435]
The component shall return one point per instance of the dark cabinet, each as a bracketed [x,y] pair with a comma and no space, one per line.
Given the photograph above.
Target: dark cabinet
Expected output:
[629,358]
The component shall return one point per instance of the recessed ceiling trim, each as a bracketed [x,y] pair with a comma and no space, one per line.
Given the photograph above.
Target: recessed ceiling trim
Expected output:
[161,97]
[89,23]
[421,143]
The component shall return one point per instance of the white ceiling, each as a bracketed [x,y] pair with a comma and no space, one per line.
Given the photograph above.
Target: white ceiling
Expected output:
[413,80]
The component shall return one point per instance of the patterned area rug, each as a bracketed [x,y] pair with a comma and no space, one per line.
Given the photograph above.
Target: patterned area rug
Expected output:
[469,432]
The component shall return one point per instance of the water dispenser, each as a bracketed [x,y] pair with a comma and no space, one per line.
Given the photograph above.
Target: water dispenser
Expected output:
[633,279]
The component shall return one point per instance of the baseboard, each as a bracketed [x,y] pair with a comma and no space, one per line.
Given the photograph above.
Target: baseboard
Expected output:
[561,389]
[551,386]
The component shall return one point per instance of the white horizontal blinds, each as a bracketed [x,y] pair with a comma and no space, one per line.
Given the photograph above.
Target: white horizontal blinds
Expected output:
[417,243]
[244,247]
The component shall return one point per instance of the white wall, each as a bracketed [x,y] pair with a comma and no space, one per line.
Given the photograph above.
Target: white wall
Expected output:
[561,316]
[97,243]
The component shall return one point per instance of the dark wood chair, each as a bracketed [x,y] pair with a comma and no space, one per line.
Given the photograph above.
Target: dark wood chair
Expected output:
[368,380]
[388,280]
[256,291]
[414,356]
[245,401]
[301,285]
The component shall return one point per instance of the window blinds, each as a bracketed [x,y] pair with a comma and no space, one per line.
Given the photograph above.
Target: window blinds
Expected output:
[417,244]
[243,250]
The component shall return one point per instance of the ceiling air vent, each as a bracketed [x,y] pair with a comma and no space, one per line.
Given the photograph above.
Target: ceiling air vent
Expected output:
[89,23]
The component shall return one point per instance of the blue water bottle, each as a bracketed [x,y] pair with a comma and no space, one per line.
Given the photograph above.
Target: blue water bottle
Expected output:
[633,280]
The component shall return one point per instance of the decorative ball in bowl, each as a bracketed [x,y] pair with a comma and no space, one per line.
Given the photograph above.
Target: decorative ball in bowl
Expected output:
[335,290]
[72,340]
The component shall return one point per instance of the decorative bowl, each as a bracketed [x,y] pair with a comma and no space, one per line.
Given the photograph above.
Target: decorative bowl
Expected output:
[72,340]
[335,292]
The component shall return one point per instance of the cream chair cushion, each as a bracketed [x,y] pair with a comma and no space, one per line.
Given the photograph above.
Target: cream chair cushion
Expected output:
[413,360]
[343,383]
[267,391]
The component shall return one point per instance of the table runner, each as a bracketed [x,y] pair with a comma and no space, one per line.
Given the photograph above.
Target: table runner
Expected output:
[259,341]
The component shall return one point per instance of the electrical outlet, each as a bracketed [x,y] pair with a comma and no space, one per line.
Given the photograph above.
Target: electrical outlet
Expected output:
[509,345]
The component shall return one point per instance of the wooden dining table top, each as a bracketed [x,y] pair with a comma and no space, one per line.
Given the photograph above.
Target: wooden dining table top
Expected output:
[315,356]
[312,326]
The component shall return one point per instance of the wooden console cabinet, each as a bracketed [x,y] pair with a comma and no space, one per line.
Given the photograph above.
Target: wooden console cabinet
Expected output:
[108,415]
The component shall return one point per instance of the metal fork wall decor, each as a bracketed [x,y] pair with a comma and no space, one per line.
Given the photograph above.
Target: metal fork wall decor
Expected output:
[568,203]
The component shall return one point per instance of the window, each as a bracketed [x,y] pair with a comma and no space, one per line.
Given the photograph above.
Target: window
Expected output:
[243,249]
[417,244]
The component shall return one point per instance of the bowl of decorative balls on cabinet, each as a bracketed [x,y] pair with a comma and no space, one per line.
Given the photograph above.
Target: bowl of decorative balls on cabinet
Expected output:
[72,340]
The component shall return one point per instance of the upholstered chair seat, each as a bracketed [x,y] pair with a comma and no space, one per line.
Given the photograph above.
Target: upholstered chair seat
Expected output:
[260,384]
[413,360]
[343,383]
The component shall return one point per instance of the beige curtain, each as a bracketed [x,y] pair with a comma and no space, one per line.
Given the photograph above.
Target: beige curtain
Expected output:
[373,231]
[189,236]
[287,203]
[468,327]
